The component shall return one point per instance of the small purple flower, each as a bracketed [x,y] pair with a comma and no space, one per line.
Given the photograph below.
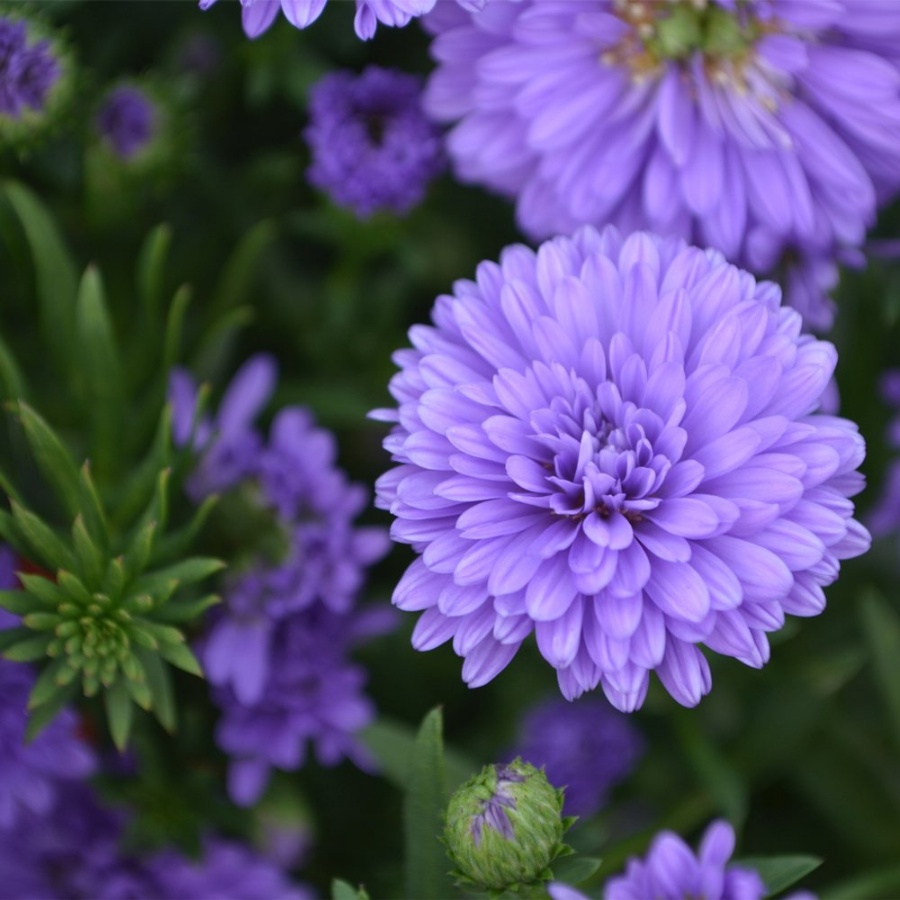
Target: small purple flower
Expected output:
[258,15]
[672,872]
[584,747]
[767,129]
[614,443]
[127,120]
[493,809]
[372,147]
[27,74]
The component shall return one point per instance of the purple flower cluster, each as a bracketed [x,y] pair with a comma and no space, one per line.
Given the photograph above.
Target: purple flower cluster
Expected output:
[277,650]
[372,147]
[27,73]
[584,747]
[127,120]
[76,851]
[672,871]
[768,129]
[614,443]
[258,15]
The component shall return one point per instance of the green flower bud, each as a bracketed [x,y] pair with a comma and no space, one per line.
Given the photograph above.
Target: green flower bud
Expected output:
[504,827]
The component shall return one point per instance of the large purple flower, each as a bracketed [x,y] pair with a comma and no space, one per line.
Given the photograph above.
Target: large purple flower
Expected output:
[614,443]
[372,147]
[258,15]
[767,129]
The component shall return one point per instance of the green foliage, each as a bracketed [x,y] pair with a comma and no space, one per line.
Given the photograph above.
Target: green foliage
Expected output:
[780,872]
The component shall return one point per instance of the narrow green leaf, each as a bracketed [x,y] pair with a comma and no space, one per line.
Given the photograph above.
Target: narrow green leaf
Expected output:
[99,354]
[151,270]
[575,869]
[882,628]
[55,275]
[21,603]
[42,540]
[53,459]
[187,571]
[138,553]
[45,590]
[119,713]
[159,681]
[341,890]
[174,328]
[92,508]
[241,267]
[41,716]
[30,649]
[47,684]
[90,557]
[180,656]
[41,621]
[872,885]
[218,341]
[12,382]
[164,634]
[780,872]
[140,694]
[180,611]
[177,544]
[74,588]
[424,805]
[10,636]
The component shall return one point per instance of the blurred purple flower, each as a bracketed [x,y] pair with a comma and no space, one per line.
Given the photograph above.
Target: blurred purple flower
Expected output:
[672,871]
[127,120]
[27,74]
[258,15]
[312,694]
[767,129]
[372,147]
[614,443]
[585,747]
[884,518]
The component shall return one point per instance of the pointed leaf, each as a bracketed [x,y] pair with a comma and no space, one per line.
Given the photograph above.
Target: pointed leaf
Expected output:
[178,543]
[218,341]
[42,540]
[10,636]
[119,713]
[41,716]
[575,870]
[174,328]
[21,603]
[30,649]
[181,656]
[74,588]
[53,459]
[180,611]
[780,872]
[240,269]
[138,553]
[12,382]
[90,556]
[424,805]
[151,270]
[159,681]
[882,627]
[164,634]
[47,685]
[341,890]
[92,508]
[186,572]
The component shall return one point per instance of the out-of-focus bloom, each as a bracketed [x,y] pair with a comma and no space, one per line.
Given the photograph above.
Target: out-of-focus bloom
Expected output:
[76,851]
[504,827]
[766,129]
[614,443]
[127,120]
[885,517]
[372,147]
[584,747]
[27,72]
[313,695]
[258,15]
[672,871]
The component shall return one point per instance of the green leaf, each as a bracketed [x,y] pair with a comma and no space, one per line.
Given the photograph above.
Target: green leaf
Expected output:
[187,571]
[55,275]
[30,649]
[341,890]
[164,634]
[41,716]
[179,611]
[74,588]
[21,603]
[47,684]
[92,508]
[575,869]
[159,682]
[12,382]
[217,343]
[178,543]
[91,558]
[780,872]
[42,540]
[180,656]
[872,885]
[119,713]
[174,328]
[137,555]
[392,743]
[10,636]
[151,270]
[240,269]
[53,459]
[882,628]
[424,805]
[99,356]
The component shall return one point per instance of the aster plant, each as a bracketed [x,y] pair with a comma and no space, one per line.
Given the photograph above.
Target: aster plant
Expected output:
[613,443]
[767,129]
[126,120]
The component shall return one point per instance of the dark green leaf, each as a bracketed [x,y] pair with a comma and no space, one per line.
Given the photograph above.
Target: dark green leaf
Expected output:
[186,572]
[92,508]
[240,269]
[882,627]
[174,327]
[29,649]
[424,805]
[137,555]
[90,556]
[12,382]
[871,885]
[42,540]
[180,656]
[217,343]
[21,603]
[341,890]
[151,270]
[179,611]
[575,869]
[10,636]
[47,684]
[780,872]
[159,681]
[178,543]
[41,716]
[119,713]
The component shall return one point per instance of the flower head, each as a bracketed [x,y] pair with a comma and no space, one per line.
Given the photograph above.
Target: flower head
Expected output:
[672,871]
[126,120]
[372,147]
[767,129]
[614,443]
[584,747]
[27,72]
[504,827]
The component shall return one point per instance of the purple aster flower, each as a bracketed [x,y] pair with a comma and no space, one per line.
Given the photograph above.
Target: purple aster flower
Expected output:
[585,747]
[27,74]
[372,147]
[671,871]
[614,443]
[258,15]
[127,120]
[766,129]
[312,694]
